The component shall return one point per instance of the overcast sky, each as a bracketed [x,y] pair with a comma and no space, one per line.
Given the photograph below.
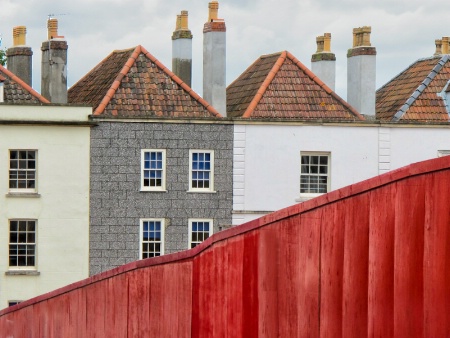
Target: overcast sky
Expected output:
[402,30]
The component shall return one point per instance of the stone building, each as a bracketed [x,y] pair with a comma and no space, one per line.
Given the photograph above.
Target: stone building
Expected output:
[161,161]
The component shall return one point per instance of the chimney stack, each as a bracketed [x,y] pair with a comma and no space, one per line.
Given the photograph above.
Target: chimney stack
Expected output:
[214,60]
[54,65]
[182,49]
[19,57]
[323,62]
[361,68]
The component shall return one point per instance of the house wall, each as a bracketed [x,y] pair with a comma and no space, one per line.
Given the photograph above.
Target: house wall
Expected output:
[117,204]
[266,170]
[61,205]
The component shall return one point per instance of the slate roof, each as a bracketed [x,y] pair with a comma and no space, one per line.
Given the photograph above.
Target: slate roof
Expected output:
[16,91]
[413,94]
[133,83]
[280,86]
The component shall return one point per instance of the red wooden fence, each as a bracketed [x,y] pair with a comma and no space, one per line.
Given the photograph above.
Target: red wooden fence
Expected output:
[368,260]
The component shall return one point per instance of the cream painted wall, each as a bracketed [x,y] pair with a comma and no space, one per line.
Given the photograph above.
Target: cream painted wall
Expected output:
[62,208]
[266,172]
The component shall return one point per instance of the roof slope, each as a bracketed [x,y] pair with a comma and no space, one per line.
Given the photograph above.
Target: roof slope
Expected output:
[280,86]
[413,94]
[133,83]
[17,91]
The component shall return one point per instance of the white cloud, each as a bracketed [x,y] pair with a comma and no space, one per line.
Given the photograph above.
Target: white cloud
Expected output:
[402,31]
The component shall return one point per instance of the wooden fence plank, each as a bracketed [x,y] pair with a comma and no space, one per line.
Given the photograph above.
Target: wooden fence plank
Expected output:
[331,271]
[408,258]
[437,256]
[356,266]
[381,263]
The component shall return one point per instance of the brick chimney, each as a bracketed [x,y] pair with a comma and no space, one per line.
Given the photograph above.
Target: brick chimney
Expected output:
[214,60]
[323,62]
[54,65]
[361,72]
[182,49]
[19,57]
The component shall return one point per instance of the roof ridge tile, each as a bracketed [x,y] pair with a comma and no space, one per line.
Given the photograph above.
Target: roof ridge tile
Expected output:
[270,76]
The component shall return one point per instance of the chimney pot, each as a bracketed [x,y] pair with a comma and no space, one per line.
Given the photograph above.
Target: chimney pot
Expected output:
[327,42]
[19,36]
[213,10]
[438,43]
[320,43]
[361,36]
[184,20]
[445,45]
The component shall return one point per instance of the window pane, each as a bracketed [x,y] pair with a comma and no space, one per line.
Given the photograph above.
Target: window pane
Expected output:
[314,174]
[22,248]
[201,170]
[151,238]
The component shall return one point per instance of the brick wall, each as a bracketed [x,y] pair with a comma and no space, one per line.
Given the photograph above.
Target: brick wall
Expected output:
[117,204]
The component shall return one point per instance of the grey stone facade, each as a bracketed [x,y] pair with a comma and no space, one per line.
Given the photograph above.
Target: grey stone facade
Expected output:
[117,204]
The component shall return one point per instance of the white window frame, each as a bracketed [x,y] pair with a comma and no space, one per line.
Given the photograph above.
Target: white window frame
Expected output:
[308,195]
[192,220]
[211,170]
[163,169]
[141,235]
[18,170]
[22,267]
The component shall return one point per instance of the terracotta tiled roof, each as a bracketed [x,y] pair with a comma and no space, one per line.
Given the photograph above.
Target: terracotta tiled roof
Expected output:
[413,94]
[280,86]
[16,90]
[133,83]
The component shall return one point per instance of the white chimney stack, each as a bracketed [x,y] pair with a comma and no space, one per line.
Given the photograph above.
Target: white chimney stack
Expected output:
[214,60]
[361,76]
[323,62]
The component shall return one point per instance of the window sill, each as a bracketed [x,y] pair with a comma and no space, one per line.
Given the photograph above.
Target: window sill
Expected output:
[23,194]
[22,273]
[202,191]
[307,197]
[150,190]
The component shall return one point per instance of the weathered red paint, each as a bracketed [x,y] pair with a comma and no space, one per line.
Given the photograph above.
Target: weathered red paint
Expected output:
[369,260]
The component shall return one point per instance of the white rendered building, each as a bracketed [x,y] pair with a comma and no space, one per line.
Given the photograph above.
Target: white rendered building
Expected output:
[44,199]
